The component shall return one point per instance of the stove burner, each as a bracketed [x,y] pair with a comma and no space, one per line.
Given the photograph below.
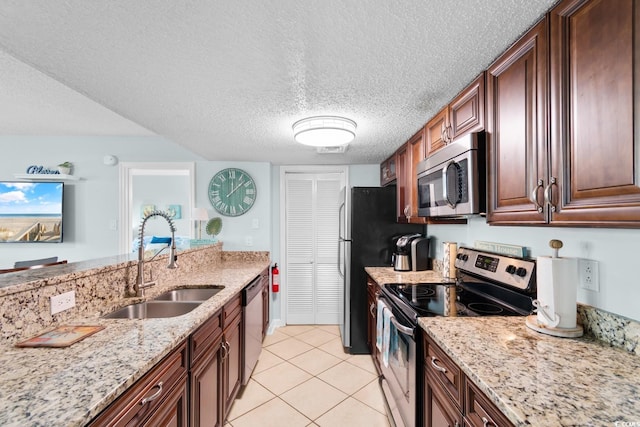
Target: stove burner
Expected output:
[485,308]
[414,291]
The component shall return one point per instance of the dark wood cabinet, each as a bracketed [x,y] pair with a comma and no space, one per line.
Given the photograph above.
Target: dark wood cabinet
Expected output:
[403,185]
[450,398]
[388,171]
[417,153]
[206,345]
[577,67]
[435,131]
[594,62]
[479,411]
[517,130]
[158,398]
[373,290]
[231,362]
[439,408]
[264,278]
[463,115]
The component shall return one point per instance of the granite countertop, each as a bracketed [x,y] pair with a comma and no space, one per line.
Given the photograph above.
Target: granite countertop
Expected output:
[540,380]
[384,275]
[70,386]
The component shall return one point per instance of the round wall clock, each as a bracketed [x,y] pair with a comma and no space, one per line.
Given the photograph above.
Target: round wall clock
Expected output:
[232,192]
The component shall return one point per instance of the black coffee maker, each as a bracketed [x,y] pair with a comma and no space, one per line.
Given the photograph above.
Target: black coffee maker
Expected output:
[411,253]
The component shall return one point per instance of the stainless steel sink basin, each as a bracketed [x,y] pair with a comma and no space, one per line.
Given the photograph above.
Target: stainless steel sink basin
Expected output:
[153,309]
[190,294]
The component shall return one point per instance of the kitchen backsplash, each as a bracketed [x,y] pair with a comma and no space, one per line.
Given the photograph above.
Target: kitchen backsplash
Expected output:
[25,306]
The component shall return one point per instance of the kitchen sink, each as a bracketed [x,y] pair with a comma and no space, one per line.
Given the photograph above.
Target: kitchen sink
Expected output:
[190,294]
[153,309]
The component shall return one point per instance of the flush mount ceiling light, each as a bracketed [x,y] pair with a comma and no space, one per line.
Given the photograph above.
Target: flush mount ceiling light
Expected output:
[324,131]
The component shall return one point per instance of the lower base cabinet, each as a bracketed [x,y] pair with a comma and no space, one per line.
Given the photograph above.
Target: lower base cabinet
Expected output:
[158,399]
[450,398]
[195,385]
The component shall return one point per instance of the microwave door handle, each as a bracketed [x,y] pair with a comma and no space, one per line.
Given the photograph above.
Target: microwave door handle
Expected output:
[445,192]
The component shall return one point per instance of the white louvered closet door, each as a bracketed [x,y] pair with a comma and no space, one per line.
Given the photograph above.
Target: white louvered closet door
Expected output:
[313,283]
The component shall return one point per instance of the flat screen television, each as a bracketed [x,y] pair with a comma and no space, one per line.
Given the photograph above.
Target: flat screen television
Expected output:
[31,212]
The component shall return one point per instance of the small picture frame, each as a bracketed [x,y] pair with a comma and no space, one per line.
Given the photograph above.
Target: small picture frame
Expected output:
[174,211]
[146,210]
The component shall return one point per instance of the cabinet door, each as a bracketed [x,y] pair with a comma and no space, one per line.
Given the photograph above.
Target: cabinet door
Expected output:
[439,409]
[388,171]
[416,145]
[232,363]
[265,303]
[436,131]
[403,187]
[205,388]
[174,409]
[516,131]
[466,111]
[595,51]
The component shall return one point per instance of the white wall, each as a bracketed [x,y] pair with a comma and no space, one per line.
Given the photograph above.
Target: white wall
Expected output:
[616,250]
[90,205]
[237,230]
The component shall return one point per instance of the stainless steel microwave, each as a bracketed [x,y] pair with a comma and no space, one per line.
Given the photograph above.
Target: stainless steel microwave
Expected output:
[452,181]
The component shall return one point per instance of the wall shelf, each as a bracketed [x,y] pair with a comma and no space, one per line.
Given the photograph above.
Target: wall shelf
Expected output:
[46,177]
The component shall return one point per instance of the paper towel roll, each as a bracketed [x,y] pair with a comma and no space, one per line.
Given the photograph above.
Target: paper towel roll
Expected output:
[450,250]
[557,282]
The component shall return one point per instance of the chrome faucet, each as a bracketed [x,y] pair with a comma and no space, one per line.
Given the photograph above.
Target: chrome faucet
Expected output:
[140,285]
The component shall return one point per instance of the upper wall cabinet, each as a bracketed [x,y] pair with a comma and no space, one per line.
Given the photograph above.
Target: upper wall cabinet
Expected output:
[595,119]
[388,171]
[463,115]
[517,131]
[583,170]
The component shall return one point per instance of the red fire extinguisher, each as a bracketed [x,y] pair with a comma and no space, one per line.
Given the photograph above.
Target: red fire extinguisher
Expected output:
[275,278]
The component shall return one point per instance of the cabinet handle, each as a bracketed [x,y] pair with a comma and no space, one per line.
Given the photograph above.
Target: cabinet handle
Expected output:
[225,351]
[449,132]
[436,366]
[371,307]
[443,133]
[486,422]
[534,196]
[154,396]
[548,194]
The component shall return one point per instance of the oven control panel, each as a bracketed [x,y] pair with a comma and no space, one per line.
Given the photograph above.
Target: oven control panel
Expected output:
[516,272]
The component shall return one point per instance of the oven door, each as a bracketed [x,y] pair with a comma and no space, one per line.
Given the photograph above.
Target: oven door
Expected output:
[399,372]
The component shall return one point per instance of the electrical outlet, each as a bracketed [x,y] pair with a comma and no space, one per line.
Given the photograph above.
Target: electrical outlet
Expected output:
[588,270]
[248,241]
[63,302]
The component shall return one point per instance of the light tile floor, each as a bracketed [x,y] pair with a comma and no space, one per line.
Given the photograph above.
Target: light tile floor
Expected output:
[304,378]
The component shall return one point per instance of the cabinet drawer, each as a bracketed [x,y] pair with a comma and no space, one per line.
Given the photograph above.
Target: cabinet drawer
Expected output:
[231,310]
[146,395]
[206,335]
[479,411]
[444,370]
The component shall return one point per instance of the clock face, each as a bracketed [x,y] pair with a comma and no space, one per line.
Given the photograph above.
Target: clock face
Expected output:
[232,192]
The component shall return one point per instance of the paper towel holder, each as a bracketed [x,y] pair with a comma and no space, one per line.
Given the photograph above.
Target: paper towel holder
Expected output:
[547,319]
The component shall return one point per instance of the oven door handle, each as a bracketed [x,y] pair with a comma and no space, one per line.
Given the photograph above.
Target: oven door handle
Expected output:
[401,328]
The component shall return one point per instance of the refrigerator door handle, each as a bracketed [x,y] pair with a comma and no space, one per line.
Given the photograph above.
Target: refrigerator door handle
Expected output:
[339,263]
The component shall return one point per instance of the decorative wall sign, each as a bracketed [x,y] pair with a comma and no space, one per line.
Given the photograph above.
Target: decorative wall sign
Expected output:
[41,170]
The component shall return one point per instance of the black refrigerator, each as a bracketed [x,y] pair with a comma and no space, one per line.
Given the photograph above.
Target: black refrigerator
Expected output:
[367,227]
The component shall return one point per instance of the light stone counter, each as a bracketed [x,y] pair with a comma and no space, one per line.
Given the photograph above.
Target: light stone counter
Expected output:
[384,275]
[70,386]
[540,380]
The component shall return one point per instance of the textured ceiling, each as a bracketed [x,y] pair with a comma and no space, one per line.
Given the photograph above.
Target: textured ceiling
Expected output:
[227,79]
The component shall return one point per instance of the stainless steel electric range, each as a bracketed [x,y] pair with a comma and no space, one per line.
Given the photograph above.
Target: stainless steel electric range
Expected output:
[487,285]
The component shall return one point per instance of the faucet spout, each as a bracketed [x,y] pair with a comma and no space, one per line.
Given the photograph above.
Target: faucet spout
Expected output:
[140,285]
